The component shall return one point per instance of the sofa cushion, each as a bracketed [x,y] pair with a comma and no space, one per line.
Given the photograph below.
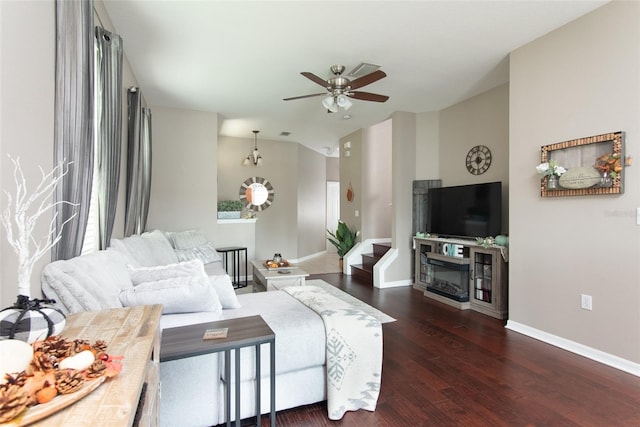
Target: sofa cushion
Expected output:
[181,269]
[186,239]
[177,295]
[88,282]
[146,250]
[206,253]
[224,288]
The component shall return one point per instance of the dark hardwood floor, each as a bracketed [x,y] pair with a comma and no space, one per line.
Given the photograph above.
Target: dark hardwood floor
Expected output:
[445,367]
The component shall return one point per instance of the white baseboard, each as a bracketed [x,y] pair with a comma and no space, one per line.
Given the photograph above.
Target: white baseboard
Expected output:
[577,348]
[396,284]
[307,258]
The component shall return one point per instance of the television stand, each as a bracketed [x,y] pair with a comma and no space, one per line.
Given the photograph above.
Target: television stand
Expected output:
[463,274]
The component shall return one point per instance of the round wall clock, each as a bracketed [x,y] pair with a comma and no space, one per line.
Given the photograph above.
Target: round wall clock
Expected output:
[478,160]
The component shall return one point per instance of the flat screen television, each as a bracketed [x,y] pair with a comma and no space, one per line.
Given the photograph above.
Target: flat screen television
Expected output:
[471,211]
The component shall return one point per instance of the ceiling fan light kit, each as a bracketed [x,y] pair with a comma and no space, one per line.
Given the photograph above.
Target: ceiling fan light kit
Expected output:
[340,88]
[343,101]
[330,104]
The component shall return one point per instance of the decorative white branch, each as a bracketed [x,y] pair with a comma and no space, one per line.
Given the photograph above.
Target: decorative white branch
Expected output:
[21,216]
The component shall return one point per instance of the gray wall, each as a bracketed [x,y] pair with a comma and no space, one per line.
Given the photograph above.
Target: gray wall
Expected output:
[580,80]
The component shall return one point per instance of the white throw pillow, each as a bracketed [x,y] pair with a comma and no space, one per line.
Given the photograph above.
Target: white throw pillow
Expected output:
[186,239]
[159,247]
[206,253]
[224,288]
[177,295]
[139,275]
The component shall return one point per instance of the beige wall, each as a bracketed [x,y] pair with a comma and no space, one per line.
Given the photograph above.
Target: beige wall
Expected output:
[428,145]
[27,46]
[298,177]
[350,174]
[184,173]
[481,120]
[312,196]
[376,182]
[403,137]
[580,80]
[333,169]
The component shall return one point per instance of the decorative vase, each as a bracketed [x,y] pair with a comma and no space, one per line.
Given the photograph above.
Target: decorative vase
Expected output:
[552,182]
[31,320]
[341,264]
[502,240]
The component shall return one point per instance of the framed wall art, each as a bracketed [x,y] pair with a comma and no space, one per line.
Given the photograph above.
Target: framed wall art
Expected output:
[588,166]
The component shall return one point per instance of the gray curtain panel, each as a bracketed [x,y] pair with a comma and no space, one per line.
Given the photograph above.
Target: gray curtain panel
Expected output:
[138,164]
[109,129]
[145,158]
[73,139]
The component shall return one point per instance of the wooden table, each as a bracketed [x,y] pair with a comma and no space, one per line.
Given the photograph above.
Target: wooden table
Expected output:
[275,279]
[186,341]
[134,333]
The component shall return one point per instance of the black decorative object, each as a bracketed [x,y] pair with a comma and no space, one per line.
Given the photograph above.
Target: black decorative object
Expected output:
[31,320]
[478,160]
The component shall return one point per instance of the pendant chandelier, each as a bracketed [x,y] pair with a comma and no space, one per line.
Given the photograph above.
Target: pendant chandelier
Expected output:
[254,158]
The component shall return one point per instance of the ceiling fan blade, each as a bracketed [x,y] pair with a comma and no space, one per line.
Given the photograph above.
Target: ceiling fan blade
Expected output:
[368,96]
[304,96]
[314,78]
[368,79]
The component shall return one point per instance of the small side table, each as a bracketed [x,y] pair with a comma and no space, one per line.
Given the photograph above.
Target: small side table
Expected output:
[186,341]
[235,261]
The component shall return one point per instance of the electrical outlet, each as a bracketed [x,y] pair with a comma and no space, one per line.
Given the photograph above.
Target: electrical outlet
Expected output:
[586,302]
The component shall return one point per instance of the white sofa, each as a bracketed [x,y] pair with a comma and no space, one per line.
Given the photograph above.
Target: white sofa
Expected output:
[192,388]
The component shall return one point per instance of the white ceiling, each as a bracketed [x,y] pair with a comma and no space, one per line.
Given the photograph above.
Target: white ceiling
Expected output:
[241,58]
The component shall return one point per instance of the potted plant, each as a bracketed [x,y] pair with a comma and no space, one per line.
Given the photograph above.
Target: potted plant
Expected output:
[343,239]
[551,171]
[229,209]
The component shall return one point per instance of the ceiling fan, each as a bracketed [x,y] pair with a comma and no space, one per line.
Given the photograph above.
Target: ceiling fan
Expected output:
[340,89]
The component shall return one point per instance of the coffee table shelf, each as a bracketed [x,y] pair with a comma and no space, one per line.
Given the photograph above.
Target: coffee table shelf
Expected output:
[275,279]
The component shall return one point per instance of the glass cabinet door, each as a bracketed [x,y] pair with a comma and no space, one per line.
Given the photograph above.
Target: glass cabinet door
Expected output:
[483,277]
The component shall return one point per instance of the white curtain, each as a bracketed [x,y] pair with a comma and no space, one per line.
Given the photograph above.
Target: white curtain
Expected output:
[73,139]
[138,164]
[109,129]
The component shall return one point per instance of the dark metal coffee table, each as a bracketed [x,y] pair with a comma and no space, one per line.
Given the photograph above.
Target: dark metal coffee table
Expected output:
[186,341]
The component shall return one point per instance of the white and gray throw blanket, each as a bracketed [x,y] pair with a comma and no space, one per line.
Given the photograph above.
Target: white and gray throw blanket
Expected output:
[354,351]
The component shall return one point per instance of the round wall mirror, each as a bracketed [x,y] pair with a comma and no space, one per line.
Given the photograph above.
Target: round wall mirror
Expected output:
[257,193]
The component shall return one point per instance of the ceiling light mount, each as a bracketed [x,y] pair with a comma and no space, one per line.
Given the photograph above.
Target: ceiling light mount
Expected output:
[254,158]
